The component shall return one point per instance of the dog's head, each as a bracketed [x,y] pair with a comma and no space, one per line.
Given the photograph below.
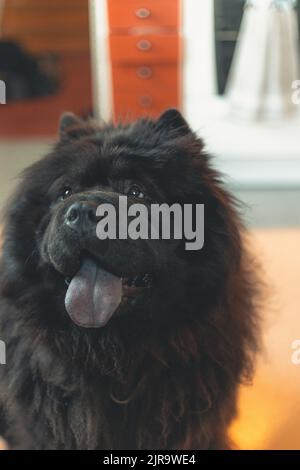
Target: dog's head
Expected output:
[52,239]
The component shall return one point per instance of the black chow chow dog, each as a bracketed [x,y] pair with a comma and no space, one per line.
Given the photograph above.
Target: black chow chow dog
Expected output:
[158,370]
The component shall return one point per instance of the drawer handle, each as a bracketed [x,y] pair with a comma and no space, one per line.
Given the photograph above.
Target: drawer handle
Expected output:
[145,101]
[144,72]
[143,13]
[144,45]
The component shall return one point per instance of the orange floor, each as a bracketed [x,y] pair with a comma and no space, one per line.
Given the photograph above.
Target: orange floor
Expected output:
[270,409]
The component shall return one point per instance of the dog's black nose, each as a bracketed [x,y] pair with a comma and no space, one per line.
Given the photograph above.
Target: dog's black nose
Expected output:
[81,214]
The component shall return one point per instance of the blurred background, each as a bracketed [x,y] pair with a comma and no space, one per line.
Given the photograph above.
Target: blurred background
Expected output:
[231,67]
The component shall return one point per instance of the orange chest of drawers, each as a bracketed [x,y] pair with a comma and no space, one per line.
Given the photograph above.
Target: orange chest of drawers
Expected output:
[144,40]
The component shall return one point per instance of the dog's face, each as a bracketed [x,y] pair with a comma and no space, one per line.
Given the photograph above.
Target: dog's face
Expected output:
[96,281]
[105,277]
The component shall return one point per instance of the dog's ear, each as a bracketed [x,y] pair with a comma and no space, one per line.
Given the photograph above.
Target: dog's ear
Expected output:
[68,120]
[72,127]
[172,120]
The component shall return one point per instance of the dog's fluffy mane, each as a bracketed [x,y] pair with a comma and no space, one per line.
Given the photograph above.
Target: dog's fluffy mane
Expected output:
[165,383]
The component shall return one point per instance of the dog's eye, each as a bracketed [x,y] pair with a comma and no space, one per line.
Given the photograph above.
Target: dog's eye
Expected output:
[66,192]
[135,191]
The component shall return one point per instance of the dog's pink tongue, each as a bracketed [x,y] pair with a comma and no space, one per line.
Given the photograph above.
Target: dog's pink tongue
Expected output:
[93,296]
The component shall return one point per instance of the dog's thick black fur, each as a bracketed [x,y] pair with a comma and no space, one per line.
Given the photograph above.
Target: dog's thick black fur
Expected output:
[164,372]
